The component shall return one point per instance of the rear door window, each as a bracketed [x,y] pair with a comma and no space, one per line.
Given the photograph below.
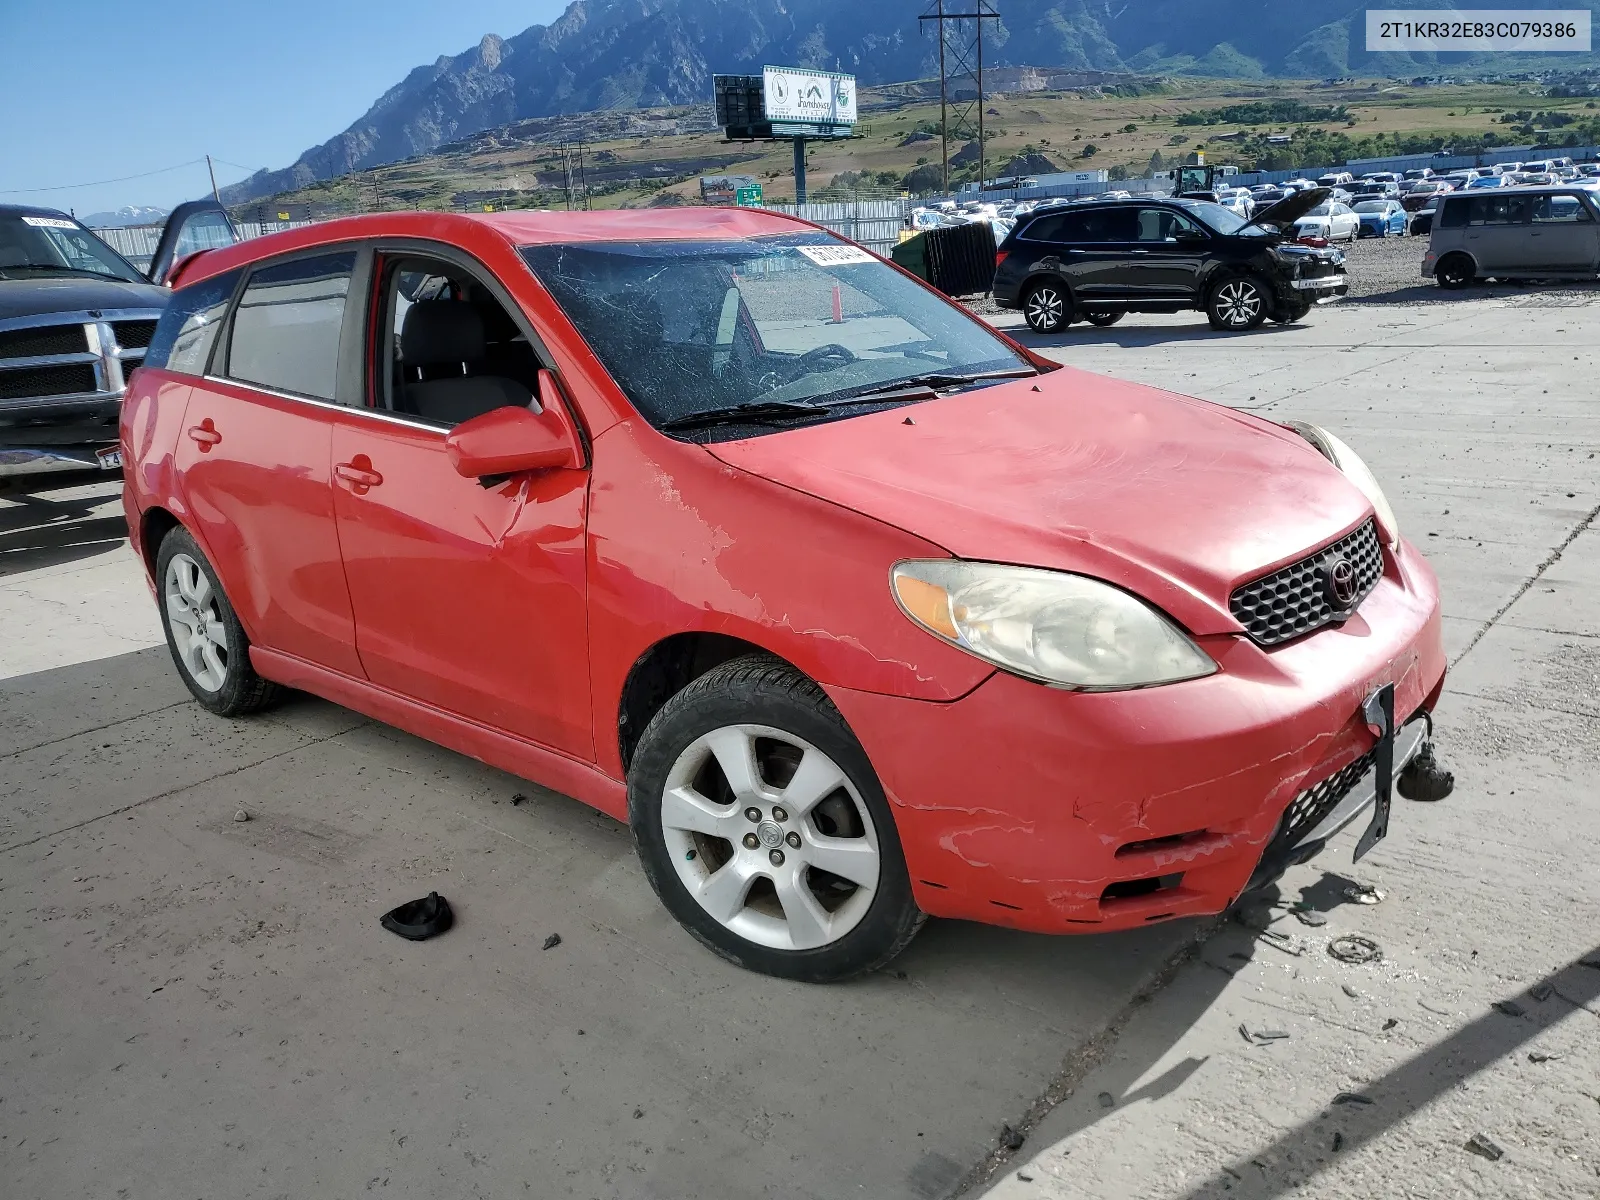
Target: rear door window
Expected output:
[287,326]
[1499,210]
[188,328]
[1560,210]
[1101,225]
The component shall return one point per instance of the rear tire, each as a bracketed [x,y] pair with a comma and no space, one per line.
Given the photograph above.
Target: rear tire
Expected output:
[816,888]
[1046,307]
[208,645]
[1454,271]
[1237,304]
[1103,319]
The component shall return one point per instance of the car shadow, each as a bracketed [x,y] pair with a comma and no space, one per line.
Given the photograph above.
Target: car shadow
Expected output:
[1134,337]
[45,531]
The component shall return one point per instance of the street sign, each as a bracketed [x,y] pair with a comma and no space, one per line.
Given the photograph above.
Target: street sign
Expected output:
[748,197]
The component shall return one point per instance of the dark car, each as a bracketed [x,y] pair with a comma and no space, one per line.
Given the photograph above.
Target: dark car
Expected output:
[75,320]
[1096,262]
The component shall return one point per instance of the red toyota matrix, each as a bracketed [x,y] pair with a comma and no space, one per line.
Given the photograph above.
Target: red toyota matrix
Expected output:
[854,609]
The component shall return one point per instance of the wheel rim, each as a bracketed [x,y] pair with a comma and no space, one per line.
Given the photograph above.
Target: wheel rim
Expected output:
[1454,271]
[813,869]
[1045,308]
[1238,302]
[196,623]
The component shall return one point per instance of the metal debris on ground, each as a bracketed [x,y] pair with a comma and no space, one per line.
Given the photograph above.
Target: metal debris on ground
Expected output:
[519,798]
[1310,917]
[1352,1098]
[1391,1022]
[1350,991]
[241,815]
[1541,992]
[1363,893]
[1541,1056]
[1281,941]
[637,1113]
[1353,948]
[1482,1146]
[1258,1036]
[1338,1141]
[1107,1100]
[1509,1007]
[1010,1138]
[551,942]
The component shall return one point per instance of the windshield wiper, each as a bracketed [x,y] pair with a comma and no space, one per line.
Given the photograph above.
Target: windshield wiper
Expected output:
[62,270]
[753,412]
[933,382]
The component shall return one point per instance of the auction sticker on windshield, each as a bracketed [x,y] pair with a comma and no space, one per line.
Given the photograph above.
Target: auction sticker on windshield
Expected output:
[48,223]
[836,256]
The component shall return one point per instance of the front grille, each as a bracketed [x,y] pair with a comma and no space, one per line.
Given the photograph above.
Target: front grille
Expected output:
[134,335]
[1313,805]
[1293,601]
[68,380]
[44,339]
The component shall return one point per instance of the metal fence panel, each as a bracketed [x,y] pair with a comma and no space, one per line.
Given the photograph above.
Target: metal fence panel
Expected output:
[876,224]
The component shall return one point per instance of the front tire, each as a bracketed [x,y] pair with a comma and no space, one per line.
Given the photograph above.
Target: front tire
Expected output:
[1454,271]
[1236,304]
[1046,307]
[208,645]
[1290,315]
[815,887]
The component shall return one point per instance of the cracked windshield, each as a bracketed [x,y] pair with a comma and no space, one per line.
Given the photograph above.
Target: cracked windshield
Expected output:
[690,327]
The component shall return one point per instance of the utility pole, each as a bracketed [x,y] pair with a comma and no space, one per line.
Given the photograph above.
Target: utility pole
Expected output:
[960,57]
[799,170]
[215,195]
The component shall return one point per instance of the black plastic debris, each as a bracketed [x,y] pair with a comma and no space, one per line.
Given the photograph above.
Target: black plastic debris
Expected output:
[1353,948]
[420,920]
[1541,1056]
[519,798]
[1509,1007]
[551,942]
[1352,1098]
[1107,1100]
[1025,1177]
[1391,1023]
[1338,1141]
[1010,1138]
[1484,1148]
[638,1113]
[1423,777]
[1364,893]
[1312,918]
[1541,992]
[1271,1035]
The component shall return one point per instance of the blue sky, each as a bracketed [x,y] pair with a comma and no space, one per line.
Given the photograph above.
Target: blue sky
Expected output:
[119,89]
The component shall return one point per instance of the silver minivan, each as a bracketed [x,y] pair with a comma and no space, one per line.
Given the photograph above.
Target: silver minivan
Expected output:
[1515,233]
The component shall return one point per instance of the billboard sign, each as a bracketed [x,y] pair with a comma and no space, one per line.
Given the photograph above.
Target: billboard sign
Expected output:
[796,96]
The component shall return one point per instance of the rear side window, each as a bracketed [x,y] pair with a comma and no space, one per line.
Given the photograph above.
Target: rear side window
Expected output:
[1044,229]
[1498,210]
[1454,213]
[188,328]
[287,325]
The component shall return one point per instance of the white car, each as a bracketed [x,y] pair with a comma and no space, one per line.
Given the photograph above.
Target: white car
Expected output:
[1330,220]
[1238,201]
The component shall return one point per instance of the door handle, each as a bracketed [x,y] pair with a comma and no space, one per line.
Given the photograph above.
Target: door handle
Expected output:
[1138,252]
[205,434]
[358,473]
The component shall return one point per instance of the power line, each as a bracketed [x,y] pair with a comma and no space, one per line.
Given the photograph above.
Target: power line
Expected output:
[69,187]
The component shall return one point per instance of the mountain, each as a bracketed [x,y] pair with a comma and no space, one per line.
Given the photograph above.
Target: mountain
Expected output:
[128,214]
[613,54]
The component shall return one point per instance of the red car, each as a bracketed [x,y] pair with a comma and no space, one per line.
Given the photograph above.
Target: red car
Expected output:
[856,610]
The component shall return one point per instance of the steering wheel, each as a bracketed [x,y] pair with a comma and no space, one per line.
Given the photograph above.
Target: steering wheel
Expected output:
[841,356]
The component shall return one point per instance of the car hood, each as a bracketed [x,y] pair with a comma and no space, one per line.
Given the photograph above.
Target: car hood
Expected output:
[70,294]
[1173,498]
[1291,208]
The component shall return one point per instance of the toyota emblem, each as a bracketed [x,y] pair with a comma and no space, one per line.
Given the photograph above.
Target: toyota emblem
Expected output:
[1339,580]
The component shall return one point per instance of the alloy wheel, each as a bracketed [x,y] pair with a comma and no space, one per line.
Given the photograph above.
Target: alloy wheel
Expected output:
[1045,309]
[195,619]
[770,837]
[1238,303]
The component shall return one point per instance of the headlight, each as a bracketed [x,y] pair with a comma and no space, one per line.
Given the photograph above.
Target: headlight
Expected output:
[1356,471]
[1065,630]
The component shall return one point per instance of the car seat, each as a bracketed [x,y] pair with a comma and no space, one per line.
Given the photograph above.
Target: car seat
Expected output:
[442,344]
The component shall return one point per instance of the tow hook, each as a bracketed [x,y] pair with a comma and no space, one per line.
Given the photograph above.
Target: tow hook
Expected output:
[1423,778]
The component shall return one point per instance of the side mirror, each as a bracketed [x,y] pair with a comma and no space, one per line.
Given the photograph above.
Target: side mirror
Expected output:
[509,441]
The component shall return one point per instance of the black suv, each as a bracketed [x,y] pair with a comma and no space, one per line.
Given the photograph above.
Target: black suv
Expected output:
[1097,260]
